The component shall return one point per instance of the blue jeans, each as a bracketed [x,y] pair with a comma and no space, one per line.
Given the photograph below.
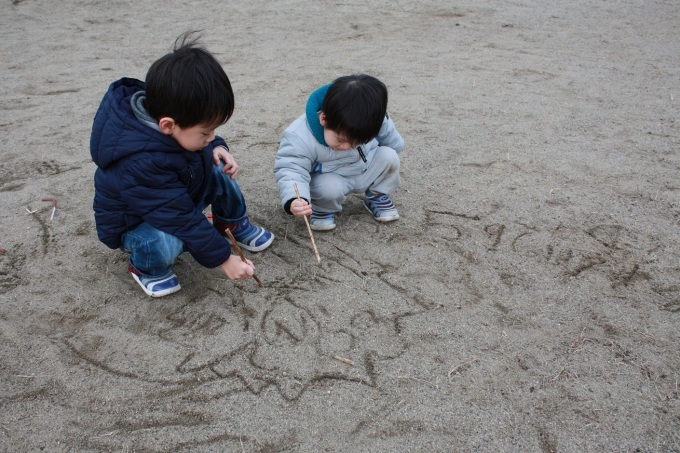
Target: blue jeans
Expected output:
[153,252]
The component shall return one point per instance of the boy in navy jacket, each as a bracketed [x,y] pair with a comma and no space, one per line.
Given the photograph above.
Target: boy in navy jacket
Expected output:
[160,165]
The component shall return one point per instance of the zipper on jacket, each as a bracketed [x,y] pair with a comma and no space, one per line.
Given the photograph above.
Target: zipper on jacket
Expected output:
[361,153]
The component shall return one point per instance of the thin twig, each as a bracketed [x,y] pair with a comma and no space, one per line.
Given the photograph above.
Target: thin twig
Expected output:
[343,360]
[309,229]
[240,253]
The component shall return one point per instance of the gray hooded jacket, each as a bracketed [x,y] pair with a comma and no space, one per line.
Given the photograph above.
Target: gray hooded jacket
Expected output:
[303,151]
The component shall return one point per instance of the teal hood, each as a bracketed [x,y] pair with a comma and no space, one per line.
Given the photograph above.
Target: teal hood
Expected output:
[314,104]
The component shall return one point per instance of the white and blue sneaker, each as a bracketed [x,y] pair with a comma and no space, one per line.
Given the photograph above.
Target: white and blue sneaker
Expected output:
[252,237]
[381,207]
[322,221]
[156,286]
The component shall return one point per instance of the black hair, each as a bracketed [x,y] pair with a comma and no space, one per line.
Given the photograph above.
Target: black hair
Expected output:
[355,107]
[189,86]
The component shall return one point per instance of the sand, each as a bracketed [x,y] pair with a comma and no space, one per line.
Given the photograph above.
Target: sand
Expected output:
[527,300]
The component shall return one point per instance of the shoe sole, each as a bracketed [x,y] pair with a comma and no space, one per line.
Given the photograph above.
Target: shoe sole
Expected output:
[156,293]
[259,248]
[391,218]
[322,227]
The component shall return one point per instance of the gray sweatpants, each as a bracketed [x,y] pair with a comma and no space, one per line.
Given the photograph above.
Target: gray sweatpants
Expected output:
[329,190]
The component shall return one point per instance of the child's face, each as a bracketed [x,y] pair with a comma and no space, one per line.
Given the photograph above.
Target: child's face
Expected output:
[194,138]
[336,141]
[333,139]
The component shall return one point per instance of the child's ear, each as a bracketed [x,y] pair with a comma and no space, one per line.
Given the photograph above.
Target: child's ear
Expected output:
[322,118]
[167,125]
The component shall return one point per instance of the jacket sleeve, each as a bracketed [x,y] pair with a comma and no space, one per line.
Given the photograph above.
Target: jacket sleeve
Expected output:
[293,164]
[218,141]
[389,136]
[152,190]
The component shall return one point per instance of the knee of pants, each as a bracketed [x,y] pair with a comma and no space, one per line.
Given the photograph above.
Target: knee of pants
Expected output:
[328,187]
[168,248]
[217,172]
[225,196]
[221,181]
[155,251]
[389,157]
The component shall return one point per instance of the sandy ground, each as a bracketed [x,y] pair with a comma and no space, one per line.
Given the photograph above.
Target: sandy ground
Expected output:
[527,300]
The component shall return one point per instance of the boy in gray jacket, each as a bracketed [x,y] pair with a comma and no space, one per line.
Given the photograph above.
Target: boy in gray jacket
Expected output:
[344,143]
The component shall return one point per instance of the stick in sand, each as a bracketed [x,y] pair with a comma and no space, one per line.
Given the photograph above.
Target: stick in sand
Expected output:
[343,360]
[240,253]
[309,229]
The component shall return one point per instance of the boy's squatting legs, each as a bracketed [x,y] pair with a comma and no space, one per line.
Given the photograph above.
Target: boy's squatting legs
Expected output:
[224,196]
[229,211]
[153,252]
[329,191]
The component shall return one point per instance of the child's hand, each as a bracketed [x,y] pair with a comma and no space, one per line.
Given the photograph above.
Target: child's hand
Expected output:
[300,208]
[220,153]
[235,269]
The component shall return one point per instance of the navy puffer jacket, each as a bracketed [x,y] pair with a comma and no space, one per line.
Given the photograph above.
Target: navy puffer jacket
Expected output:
[145,176]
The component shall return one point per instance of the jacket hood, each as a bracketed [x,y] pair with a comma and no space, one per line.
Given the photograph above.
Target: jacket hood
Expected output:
[314,104]
[116,131]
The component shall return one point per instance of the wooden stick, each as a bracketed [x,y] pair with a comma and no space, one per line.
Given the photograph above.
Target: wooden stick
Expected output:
[309,229]
[240,253]
[343,360]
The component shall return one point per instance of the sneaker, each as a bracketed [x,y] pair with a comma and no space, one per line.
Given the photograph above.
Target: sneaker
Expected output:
[322,221]
[156,286]
[251,237]
[380,206]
